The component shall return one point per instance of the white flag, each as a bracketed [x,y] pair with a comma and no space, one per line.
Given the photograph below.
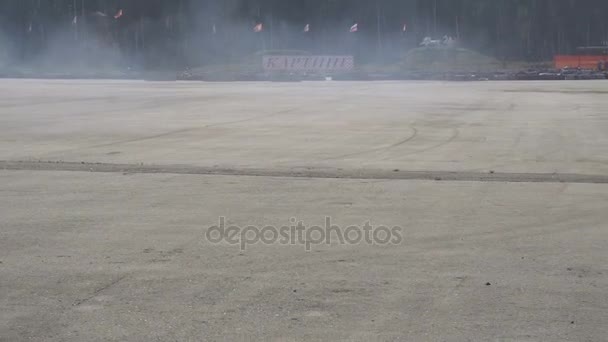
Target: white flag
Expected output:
[307,28]
[354,28]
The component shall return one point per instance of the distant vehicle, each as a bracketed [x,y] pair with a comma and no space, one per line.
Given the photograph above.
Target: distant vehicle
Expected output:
[446,41]
[430,42]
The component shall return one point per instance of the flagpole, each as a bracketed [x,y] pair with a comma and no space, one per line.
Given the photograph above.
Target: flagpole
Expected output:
[76,22]
[271,29]
[380,47]
[83,21]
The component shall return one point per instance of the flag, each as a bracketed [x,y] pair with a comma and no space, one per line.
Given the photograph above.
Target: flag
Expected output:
[214,29]
[118,14]
[75,20]
[354,28]
[259,27]
[307,28]
[404,27]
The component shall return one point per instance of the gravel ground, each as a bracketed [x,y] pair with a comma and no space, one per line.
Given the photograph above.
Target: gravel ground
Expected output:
[109,191]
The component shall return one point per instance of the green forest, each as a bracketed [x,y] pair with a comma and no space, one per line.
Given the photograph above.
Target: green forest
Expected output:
[185,32]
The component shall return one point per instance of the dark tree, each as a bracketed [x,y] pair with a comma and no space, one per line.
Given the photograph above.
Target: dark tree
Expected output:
[179,32]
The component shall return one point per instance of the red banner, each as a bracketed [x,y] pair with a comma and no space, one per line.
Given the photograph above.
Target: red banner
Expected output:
[309,63]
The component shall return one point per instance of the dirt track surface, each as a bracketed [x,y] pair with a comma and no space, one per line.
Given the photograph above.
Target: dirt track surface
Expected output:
[107,189]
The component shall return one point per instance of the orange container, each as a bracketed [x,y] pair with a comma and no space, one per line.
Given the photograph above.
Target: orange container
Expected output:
[583,61]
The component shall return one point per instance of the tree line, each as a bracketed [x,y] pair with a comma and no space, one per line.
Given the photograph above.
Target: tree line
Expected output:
[190,31]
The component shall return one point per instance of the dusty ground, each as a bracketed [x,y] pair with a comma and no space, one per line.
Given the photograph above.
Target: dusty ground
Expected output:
[500,188]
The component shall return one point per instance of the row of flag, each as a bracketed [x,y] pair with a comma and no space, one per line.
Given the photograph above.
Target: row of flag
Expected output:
[259,27]
[116,16]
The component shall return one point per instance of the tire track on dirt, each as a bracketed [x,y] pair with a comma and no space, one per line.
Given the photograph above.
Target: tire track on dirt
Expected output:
[454,136]
[379,149]
[369,174]
[191,129]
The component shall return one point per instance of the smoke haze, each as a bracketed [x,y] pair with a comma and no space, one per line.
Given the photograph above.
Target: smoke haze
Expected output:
[172,35]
